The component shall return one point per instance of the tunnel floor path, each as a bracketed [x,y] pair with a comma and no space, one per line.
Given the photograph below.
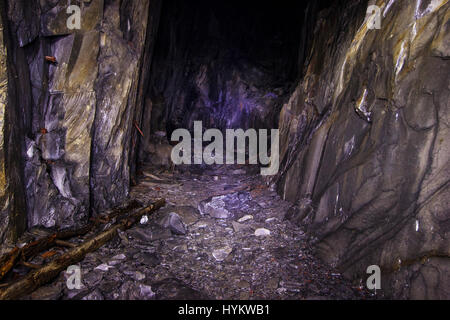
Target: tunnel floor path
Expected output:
[222,235]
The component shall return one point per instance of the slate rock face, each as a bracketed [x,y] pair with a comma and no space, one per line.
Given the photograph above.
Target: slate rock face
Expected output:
[5,194]
[12,201]
[73,130]
[119,63]
[365,141]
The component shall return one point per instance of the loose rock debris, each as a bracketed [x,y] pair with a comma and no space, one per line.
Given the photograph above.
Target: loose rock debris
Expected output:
[222,235]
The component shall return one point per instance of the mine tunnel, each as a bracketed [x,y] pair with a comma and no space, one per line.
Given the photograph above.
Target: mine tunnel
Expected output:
[116,118]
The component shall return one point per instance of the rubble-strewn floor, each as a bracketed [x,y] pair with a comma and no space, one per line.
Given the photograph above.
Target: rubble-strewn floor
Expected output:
[180,253]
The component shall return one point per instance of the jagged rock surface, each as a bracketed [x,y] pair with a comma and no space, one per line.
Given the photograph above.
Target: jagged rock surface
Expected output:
[75,134]
[365,145]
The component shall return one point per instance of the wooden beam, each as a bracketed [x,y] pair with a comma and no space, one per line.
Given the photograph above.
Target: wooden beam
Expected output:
[47,273]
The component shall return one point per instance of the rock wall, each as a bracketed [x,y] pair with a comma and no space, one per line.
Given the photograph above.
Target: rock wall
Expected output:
[123,44]
[76,113]
[365,144]
[13,119]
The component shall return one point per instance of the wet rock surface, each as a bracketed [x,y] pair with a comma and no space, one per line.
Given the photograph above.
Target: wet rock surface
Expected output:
[70,96]
[260,257]
[365,145]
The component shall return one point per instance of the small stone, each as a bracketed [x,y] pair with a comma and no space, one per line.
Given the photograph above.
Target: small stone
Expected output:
[215,207]
[160,134]
[222,253]
[120,257]
[113,263]
[146,292]
[244,295]
[243,284]
[123,237]
[239,227]
[245,218]
[174,223]
[149,259]
[103,267]
[200,225]
[180,248]
[189,215]
[281,290]
[144,220]
[273,283]
[135,275]
[93,278]
[138,276]
[107,286]
[76,294]
[262,232]
[263,204]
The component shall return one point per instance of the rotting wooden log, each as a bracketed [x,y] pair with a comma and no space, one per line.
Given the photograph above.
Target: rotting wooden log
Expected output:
[10,259]
[66,244]
[30,265]
[47,273]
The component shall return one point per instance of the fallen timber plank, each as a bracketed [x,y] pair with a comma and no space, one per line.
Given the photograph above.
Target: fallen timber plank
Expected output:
[47,273]
[10,259]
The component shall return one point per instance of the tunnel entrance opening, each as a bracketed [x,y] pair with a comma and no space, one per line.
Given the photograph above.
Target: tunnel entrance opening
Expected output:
[227,64]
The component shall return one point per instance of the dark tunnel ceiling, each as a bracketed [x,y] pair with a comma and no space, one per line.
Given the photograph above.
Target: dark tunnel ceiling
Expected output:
[229,64]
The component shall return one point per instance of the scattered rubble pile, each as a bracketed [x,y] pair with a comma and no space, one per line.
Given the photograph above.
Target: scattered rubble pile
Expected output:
[222,235]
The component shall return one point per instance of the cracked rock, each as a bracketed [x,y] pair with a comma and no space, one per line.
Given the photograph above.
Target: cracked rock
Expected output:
[215,207]
[222,253]
[262,232]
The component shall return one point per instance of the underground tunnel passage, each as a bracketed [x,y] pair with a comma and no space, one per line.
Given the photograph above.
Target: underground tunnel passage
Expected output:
[225,150]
